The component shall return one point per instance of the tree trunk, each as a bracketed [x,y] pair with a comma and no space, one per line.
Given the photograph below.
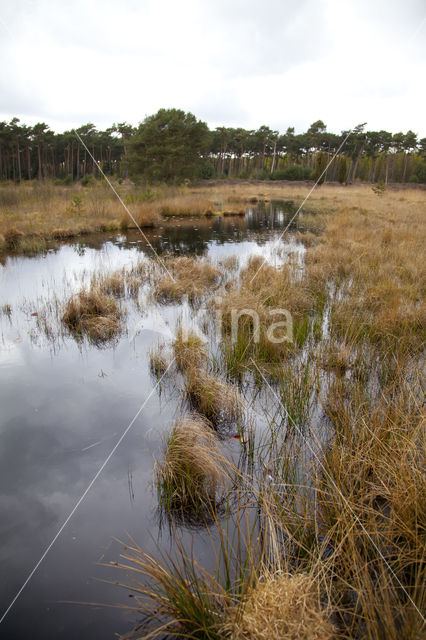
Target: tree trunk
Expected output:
[18,158]
[28,163]
[273,157]
[405,167]
[39,161]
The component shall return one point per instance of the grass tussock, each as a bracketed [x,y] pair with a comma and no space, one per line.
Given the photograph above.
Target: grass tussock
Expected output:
[143,214]
[212,397]
[193,469]
[159,361]
[281,606]
[94,314]
[186,277]
[189,351]
[372,505]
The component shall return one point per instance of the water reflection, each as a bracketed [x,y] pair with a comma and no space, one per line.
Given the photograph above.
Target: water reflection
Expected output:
[193,235]
[62,413]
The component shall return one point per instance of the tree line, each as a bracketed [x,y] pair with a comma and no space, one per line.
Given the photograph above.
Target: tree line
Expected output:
[173,145]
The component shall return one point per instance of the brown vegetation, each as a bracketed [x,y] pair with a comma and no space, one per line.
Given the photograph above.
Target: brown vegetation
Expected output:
[193,468]
[42,210]
[280,606]
[94,314]
[186,277]
[189,351]
[212,397]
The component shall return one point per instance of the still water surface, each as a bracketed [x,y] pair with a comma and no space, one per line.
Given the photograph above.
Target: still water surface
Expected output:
[63,408]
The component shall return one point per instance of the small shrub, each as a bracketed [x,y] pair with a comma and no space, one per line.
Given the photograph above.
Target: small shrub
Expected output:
[207,172]
[87,180]
[379,189]
[293,172]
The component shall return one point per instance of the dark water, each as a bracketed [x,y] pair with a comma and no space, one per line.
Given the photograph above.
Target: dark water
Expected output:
[63,408]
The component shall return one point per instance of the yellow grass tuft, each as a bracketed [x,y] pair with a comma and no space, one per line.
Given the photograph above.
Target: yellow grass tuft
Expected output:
[189,351]
[13,237]
[216,400]
[193,469]
[189,277]
[279,607]
[186,205]
[94,314]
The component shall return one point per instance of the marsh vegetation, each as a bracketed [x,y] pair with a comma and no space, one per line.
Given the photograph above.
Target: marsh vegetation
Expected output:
[291,473]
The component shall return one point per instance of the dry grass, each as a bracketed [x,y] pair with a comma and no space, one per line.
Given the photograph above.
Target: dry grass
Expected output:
[94,314]
[189,351]
[49,212]
[188,277]
[186,205]
[113,284]
[210,396]
[372,507]
[281,606]
[251,310]
[158,361]
[354,515]
[193,469]
[145,214]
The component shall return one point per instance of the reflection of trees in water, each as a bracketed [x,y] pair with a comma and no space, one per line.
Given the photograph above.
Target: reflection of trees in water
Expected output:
[192,236]
[275,214]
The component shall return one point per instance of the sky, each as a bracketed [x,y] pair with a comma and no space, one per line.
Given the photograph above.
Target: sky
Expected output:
[232,63]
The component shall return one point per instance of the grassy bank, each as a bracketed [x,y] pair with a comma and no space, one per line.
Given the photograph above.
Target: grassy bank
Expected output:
[36,214]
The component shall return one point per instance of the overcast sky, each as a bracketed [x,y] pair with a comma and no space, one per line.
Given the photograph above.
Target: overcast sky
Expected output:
[230,62]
